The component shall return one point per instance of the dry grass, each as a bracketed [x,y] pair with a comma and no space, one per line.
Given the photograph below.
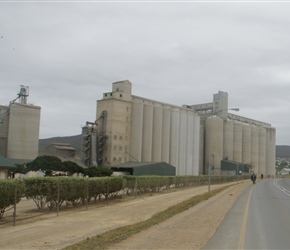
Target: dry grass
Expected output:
[106,239]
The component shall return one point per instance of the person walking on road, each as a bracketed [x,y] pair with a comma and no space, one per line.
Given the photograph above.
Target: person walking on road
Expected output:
[253,178]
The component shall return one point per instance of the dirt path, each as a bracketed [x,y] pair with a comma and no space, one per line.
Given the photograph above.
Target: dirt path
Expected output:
[188,230]
[52,232]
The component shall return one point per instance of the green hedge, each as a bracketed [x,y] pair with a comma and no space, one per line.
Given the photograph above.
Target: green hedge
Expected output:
[8,189]
[44,191]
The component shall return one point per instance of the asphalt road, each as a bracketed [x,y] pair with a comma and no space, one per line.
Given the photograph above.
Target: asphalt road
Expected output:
[260,219]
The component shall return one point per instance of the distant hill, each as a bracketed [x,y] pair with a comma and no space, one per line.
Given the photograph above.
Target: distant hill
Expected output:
[74,140]
[283,151]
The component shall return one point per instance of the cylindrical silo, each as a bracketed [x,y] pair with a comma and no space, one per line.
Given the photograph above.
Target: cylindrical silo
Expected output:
[228,147]
[147,133]
[255,149]
[182,144]
[157,134]
[214,143]
[23,132]
[136,132]
[201,150]
[174,139]
[271,152]
[189,145]
[246,143]
[165,135]
[262,152]
[196,145]
[238,141]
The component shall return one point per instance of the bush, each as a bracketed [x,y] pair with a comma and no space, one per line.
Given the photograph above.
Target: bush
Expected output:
[8,189]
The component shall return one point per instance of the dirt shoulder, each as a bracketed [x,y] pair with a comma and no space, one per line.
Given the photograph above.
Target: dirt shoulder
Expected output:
[56,232]
[188,230]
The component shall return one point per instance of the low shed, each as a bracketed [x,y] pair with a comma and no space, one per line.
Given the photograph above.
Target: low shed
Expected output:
[5,167]
[234,168]
[145,168]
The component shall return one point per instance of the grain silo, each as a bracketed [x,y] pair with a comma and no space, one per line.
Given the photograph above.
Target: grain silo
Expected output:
[262,152]
[271,152]
[201,149]
[189,146]
[136,130]
[196,145]
[214,140]
[182,144]
[23,133]
[174,138]
[255,148]
[228,142]
[165,135]
[238,141]
[246,143]
[147,133]
[157,134]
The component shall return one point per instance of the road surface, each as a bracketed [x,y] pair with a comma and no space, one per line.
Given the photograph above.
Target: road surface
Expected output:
[260,219]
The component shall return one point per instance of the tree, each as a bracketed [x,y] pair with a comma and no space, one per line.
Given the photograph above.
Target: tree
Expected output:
[47,164]
[72,167]
[97,171]
[21,169]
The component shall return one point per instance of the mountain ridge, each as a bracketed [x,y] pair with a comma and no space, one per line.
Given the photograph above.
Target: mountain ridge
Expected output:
[282,151]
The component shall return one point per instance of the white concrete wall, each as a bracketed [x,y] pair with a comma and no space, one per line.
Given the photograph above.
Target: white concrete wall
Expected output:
[3,173]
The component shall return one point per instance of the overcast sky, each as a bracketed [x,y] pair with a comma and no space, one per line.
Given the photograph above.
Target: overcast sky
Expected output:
[70,53]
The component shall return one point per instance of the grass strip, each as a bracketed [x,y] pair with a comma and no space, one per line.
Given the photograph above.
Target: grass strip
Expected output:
[103,241]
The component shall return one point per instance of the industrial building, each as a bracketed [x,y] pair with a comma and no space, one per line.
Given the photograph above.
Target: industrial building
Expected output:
[195,139]
[19,129]
[133,128]
[232,142]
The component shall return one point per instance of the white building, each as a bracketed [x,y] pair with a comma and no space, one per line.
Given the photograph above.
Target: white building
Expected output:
[19,129]
[133,128]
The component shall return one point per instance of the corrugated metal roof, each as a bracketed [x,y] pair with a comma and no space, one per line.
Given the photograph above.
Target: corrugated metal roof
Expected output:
[146,168]
[64,148]
[135,164]
[5,163]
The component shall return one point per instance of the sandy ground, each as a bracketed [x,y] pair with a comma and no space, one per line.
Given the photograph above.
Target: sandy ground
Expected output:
[188,230]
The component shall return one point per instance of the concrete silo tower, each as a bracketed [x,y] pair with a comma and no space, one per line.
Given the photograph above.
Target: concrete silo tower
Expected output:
[20,130]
